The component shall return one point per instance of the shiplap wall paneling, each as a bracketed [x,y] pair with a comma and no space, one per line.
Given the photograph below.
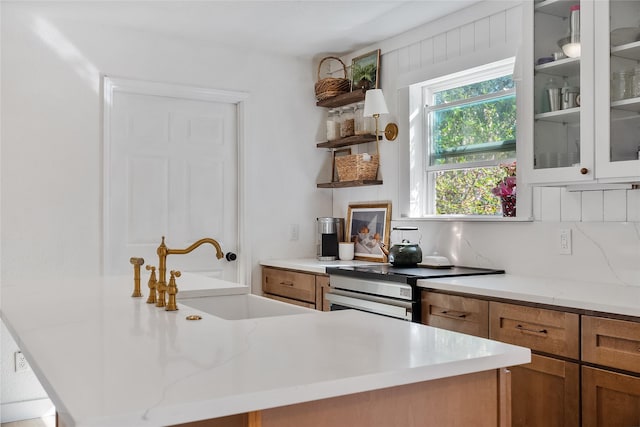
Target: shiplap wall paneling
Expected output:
[592,210]
[550,209]
[570,206]
[633,205]
[453,43]
[426,52]
[482,34]
[615,205]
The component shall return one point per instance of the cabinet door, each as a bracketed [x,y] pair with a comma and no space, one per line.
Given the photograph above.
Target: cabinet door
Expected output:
[617,49]
[563,138]
[322,286]
[545,393]
[456,313]
[609,399]
[289,284]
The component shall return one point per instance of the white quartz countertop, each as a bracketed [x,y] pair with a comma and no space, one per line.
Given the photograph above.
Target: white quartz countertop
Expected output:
[310,265]
[137,365]
[601,297]
[606,298]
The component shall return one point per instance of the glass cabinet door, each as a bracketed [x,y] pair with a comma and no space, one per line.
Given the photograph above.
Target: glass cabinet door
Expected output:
[618,92]
[562,91]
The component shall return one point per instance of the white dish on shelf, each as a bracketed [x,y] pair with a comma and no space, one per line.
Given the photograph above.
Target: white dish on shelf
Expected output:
[625,35]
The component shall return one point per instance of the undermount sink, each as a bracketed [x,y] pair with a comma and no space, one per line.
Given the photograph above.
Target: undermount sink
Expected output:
[245,306]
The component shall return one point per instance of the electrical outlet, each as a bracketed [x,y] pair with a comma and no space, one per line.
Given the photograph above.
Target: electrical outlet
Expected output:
[294,232]
[564,241]
[21,364]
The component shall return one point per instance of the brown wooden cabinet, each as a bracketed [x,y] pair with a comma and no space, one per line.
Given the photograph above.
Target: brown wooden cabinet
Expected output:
[296,287]
[558,387]
[548,331]
[455,313]
[610,342]
[545,393]
[609,399]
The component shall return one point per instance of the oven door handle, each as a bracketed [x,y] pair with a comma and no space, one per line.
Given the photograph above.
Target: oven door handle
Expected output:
[400,312]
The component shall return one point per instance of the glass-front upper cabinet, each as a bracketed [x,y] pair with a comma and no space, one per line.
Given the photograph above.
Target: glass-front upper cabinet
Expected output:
[563,95]
[617,71]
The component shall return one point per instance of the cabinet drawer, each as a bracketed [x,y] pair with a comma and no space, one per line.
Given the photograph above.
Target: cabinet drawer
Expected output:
[549,331]
[290,284]
[456,313]
[290,301]
[610,342]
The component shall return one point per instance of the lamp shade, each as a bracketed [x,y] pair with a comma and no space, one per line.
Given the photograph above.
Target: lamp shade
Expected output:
[374,103]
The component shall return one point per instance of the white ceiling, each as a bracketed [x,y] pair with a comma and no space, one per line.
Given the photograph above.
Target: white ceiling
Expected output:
[302,27]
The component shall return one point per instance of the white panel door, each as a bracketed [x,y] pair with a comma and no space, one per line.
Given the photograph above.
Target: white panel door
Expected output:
[171,170]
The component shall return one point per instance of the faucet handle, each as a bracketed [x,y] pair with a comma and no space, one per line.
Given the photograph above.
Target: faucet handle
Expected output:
[136,262]
[172,291]
[152,284]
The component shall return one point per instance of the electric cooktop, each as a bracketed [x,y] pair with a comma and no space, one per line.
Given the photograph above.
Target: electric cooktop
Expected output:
[408,275]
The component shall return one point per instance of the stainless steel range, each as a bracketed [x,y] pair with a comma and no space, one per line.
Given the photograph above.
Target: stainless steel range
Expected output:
[387,290]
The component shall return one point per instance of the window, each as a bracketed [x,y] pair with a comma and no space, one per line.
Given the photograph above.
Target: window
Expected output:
[468,134]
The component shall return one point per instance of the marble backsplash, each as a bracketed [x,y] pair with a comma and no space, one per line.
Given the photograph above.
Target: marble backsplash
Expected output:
[604,252]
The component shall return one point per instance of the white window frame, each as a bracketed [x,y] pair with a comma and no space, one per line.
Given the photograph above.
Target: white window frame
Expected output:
[422,203]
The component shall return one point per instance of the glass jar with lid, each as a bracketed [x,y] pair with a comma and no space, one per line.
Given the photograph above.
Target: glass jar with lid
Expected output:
[333,124]
[620,85]
[347,126]
[359,119]
[635,82]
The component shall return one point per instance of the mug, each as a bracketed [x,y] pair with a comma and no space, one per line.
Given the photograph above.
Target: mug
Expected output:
[345,251]
[570,97]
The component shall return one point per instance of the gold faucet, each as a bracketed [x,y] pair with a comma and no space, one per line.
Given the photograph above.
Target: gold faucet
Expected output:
[172,291]
[163,251]
[152,284]
[136,262]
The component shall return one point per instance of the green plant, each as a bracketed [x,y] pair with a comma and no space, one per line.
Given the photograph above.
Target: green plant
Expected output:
[364,72]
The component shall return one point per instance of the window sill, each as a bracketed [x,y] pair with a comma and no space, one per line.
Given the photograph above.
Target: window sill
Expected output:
[466,218]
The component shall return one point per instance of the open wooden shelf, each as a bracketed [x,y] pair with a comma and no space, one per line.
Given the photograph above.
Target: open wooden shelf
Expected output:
[350,140]
[344,99]
[345,184]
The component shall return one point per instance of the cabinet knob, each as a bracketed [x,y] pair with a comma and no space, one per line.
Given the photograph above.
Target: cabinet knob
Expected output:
[584,171]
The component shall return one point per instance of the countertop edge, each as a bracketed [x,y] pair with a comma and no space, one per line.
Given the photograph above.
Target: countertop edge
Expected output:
[567,294]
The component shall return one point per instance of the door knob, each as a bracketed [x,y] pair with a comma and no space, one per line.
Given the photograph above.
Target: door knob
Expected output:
[230,256]
[584,171]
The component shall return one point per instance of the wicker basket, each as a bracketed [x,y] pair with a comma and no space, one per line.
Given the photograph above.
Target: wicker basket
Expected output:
[354,167]
[331,86]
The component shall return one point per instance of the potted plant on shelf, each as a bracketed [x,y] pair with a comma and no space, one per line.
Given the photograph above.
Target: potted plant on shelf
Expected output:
[506,190]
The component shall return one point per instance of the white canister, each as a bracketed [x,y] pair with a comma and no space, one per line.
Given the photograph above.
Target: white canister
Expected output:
[345,251]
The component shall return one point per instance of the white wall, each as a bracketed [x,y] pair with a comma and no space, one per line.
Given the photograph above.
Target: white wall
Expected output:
[52,149]
[605,225]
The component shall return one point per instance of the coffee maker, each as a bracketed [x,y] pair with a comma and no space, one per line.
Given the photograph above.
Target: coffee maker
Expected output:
[330,232]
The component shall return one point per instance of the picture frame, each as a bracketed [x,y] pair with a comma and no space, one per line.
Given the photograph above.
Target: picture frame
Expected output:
[369,227]
[365,71]
[338,153]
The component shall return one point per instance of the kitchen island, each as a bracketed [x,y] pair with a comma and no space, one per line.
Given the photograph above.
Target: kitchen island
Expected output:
[134,364]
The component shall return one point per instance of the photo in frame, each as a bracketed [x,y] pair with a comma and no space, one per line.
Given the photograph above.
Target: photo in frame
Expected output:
[338,153]
[369,228]
[365,71]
